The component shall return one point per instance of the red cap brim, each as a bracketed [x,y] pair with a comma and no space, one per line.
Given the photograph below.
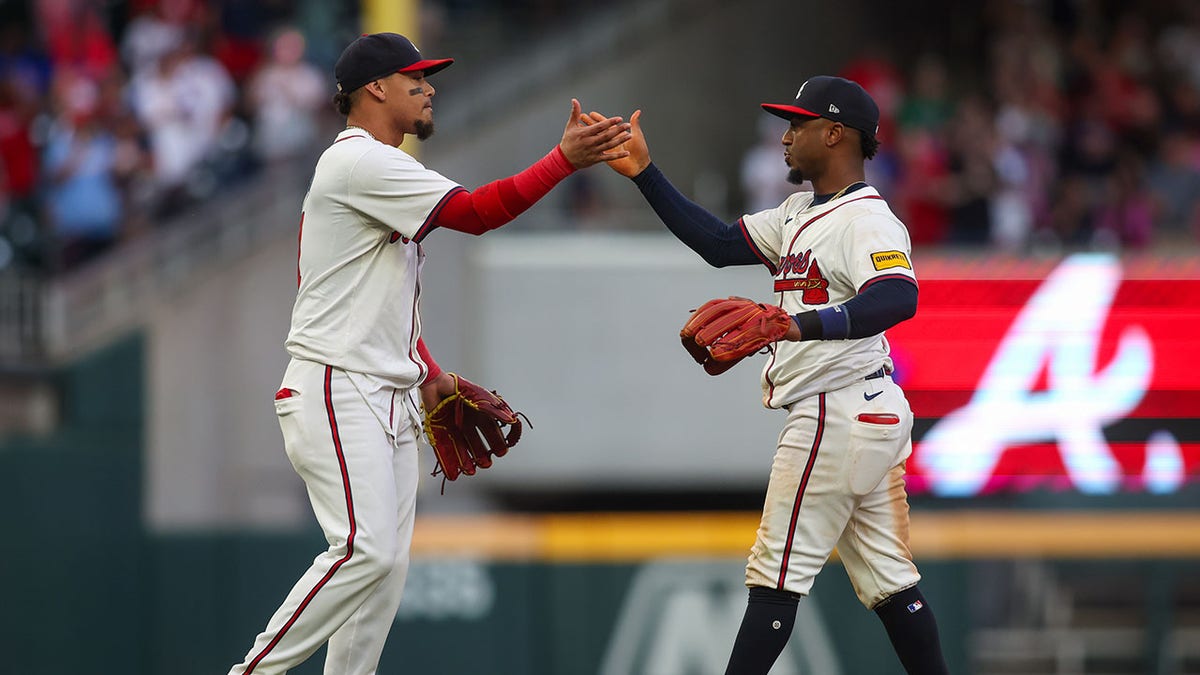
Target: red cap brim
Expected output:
[430,66]
[787,112]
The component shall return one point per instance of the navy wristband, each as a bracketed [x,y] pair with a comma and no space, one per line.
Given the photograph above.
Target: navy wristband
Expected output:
[835,323]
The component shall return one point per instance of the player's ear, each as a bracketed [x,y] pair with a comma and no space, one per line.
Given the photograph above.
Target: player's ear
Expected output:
[375,88]
[834,134]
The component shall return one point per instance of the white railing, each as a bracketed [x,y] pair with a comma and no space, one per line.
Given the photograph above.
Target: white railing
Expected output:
[20,319]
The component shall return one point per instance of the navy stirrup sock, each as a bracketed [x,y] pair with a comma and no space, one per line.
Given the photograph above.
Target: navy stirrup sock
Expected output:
[766,627]
[913,631]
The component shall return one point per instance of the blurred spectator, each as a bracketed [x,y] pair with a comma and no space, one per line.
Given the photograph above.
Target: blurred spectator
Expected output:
[1028,133]
[185,104]
[1175,184]
[1125,219]
[156,29]
[18,175]
[927,105]
[923,161]
[21,64]
[286,97]
[1011,215]
[1069,221]
[83,201]
[1182,105]
[1178,46]
[874,68]
[76,36]
[973,178]
[763,172]
[922,198]
[238,41]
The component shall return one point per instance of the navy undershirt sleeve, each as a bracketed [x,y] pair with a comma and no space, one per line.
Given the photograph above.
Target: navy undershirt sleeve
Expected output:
[720,244]
[882,305]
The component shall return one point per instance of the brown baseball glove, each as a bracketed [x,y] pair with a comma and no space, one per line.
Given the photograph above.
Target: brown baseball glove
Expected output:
[466,429]
[726,330]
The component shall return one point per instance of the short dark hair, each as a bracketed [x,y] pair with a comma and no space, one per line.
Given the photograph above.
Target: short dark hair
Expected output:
[341,101]
[870,145]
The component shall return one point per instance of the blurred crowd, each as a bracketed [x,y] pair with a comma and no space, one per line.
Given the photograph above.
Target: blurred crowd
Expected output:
[116,116]
[1079,129]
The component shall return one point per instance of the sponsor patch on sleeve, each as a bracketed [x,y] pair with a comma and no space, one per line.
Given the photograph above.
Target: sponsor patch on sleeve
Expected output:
[888,259]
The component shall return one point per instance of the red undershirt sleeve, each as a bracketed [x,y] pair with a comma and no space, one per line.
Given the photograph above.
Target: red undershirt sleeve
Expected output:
[499,202]
[434,369]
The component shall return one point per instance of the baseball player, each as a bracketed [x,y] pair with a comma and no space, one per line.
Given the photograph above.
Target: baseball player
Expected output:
[841,266]
[348,403]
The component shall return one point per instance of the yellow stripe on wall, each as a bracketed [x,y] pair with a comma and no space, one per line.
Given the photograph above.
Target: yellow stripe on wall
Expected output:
[631,537]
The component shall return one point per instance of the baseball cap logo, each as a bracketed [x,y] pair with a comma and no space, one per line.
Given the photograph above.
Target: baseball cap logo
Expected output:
[835,98]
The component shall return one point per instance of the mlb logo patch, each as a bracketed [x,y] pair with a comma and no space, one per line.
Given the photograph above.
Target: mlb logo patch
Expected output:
[915,606]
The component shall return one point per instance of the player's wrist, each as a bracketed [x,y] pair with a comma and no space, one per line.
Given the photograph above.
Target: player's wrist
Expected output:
[572,165]
[648,173]
[557,158]
[436,388]
[794,332]
[808,325]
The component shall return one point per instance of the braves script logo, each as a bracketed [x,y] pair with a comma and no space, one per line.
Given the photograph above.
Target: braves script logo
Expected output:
[794,264]
[1060,328]
[808,278]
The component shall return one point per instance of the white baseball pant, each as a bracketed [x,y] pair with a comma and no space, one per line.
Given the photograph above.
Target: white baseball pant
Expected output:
[838,480]
[362,482]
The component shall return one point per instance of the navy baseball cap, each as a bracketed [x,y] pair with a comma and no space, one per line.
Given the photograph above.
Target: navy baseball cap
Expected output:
[377,55]
[834,98]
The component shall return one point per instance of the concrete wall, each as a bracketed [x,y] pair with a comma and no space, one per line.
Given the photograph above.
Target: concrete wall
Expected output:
[579,331]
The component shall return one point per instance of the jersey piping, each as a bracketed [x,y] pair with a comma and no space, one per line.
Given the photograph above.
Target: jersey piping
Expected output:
[337,447]
[808,467]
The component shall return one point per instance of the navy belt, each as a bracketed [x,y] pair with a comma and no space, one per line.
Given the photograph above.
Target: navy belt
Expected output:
[876,375]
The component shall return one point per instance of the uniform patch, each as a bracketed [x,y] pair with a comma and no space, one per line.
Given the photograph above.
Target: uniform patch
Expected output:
[889,259]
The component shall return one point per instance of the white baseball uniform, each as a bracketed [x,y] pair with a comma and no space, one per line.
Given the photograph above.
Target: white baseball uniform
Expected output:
[837,476]
[348,404]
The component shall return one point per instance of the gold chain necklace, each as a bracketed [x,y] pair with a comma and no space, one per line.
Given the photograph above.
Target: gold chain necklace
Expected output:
[355,126]
[843,190]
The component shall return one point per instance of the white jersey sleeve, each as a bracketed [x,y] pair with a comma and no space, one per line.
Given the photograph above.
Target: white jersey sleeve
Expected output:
[877,247]
[391,188]
[764,230]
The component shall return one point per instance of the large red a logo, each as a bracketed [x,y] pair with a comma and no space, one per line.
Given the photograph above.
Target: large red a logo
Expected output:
[813,285]
[816,288]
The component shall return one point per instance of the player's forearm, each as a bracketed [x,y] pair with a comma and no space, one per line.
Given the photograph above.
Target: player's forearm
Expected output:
[499,202]
[718,243]
[877,308]
[434,369]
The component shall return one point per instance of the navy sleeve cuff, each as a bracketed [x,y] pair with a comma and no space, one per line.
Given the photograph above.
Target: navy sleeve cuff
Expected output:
[651,174]
[835,323]
[810,324]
